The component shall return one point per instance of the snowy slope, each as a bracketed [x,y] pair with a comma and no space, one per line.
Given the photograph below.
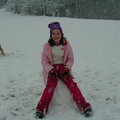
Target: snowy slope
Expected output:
[96,46]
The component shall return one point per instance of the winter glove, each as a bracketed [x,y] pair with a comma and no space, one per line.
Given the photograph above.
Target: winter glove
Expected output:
[53,72]
[66,71]
[53,75]
[66,74]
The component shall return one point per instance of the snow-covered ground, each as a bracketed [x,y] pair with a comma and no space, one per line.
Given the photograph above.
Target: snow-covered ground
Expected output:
[96,46]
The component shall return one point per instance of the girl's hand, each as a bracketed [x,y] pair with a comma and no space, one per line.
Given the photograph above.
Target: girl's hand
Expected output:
[66,74]
[53,75]
[53,72]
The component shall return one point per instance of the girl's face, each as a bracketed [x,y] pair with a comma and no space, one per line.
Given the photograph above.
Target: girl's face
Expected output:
[56,35]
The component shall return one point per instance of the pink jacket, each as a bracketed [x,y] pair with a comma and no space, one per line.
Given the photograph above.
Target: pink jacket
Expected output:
[46,59]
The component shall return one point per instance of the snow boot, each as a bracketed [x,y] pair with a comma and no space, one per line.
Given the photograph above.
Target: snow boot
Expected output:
[88,112]
[39,115]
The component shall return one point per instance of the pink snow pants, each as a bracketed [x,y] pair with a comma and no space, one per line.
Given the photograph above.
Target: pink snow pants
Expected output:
[48,92]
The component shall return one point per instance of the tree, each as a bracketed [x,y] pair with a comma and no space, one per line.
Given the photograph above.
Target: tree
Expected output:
[15,5]
[2,3]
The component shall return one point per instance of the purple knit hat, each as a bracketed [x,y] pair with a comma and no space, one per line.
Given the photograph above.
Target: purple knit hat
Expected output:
[54,25]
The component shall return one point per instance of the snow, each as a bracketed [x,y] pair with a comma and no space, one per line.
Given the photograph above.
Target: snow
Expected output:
[96,47]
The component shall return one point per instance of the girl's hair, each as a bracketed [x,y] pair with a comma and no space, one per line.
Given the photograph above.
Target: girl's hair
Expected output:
[63,41]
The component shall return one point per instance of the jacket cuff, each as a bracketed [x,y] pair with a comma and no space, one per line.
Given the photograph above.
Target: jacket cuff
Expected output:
[49,68]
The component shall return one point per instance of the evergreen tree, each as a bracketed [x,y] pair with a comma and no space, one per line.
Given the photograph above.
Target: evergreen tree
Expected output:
[67,8]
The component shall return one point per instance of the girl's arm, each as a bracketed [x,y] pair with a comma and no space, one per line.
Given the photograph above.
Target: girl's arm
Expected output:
[70,57]
[45,61]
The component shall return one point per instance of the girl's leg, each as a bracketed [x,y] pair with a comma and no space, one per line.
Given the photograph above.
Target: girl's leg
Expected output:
[47,95]
[77,95]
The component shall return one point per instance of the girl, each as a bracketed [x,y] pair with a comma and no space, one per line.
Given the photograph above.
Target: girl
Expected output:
[57,60]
